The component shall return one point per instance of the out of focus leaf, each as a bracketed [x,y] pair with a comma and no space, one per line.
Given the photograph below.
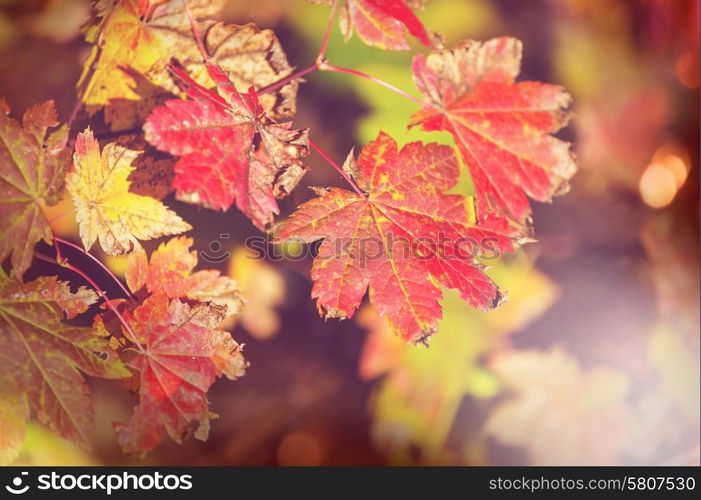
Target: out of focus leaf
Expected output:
[560,413]
[264,289]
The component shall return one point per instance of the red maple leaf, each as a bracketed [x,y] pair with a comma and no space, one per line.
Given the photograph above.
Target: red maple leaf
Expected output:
[230,150]
[182,354]
[170,271]
[42,358]
[402,238]
[381,23]
[501,128]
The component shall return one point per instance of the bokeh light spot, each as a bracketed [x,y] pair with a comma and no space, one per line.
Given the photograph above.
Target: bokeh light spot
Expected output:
[299,448]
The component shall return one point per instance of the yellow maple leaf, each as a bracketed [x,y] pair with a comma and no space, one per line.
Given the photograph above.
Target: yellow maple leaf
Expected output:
[105,207]
[133,43]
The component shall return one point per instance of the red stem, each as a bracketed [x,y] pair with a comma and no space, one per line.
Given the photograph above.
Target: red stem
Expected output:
[59,257]
[324,66]
[74,114]
[102,294]
[312,67]
[327,32]
[95,259]
[326,157]
[294,76]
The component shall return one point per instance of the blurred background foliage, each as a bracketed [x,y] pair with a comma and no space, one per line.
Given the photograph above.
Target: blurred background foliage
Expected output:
[594,359]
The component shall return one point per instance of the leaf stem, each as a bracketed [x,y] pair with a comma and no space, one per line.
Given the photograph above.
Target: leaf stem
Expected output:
[327,32]
[335,165]
[74,113]
[63,263]
[325,66]
[95,259]
[312,67]
[294,76]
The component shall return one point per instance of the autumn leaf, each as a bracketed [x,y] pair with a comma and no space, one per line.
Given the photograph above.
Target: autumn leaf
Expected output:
[182,355]
[32,166]
[41,358]
[402,239]
[230,149]
[170,271]
[560,413]
[106,210]
[502,128]
[134,41]
[381,23]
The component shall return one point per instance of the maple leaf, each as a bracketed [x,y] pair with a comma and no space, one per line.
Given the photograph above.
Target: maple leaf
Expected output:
[170,271]
[41,357]
[32,166]
[182,356]
[133,42]
[381,23]
[501,128]
[216,137]
[559,412]
[399,237]
[105,208]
